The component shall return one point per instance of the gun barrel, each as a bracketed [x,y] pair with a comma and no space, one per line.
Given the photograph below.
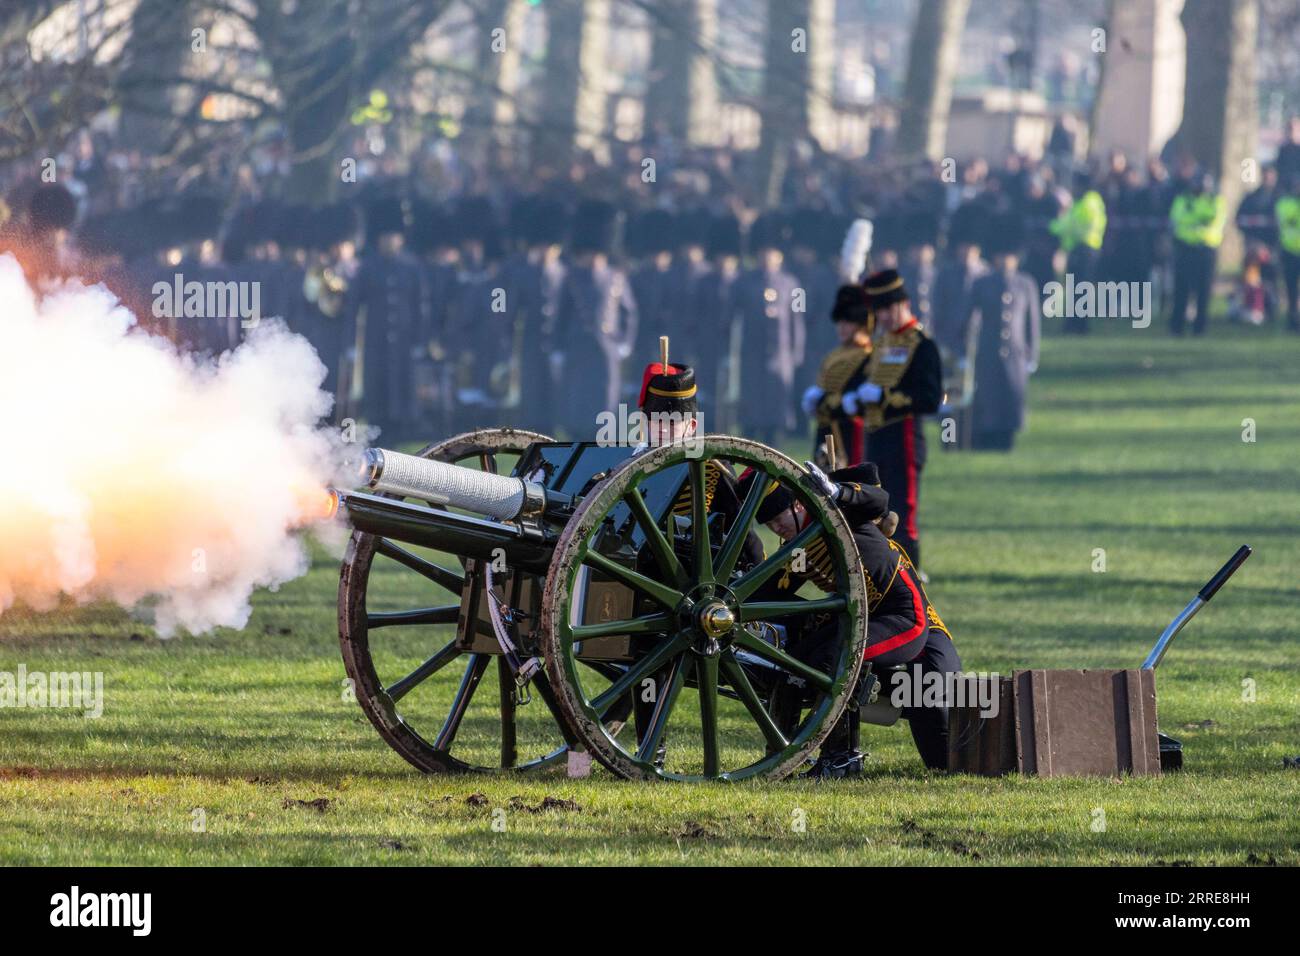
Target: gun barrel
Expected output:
[444,530]
[495,496]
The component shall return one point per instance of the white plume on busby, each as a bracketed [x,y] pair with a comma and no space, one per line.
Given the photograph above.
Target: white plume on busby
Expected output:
[853,254]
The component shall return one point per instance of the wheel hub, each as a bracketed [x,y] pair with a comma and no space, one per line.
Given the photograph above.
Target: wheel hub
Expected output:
[716,619]
[712,613]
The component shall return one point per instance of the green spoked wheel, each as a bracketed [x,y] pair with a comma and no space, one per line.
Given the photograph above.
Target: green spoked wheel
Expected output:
[440,700]
[714,660]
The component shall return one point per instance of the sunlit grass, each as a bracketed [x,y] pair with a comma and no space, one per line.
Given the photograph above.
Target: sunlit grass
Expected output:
[1134,449]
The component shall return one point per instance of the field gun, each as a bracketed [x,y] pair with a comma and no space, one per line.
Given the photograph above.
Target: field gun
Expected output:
[616,590]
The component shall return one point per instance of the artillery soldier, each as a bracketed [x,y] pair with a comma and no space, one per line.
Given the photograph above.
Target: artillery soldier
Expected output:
[842,371]
[381,316]
[902,626]
[904,382]
[690,271]
[714,296]
[533,277]
[772,336]
[483,316]
[597,319]
[649,240]
[816,276]
[1005,323]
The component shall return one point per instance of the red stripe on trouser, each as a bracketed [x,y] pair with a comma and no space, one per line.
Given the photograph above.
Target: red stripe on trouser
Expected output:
[909,458]
[912,633]
[858,450]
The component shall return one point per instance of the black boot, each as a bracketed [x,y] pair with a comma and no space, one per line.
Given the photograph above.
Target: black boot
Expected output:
[840,756]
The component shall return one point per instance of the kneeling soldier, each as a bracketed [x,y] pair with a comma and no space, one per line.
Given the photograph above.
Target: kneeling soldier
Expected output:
[902,626]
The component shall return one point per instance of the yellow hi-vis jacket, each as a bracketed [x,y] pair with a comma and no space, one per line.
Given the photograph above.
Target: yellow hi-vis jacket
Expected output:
[1084,223]
[1287,212]
[1199,220]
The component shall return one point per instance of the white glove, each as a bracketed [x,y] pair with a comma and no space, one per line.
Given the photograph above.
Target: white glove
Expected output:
[1031,368]
[849,402]
[819,478]
[811,397]
[869,393]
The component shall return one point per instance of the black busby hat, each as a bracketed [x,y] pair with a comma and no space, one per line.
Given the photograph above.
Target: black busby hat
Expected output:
[724,236]
[107,234]
[538,221]
[337,222]
[384,216]
[771,230]
[1006,234]
[52,207]
[522,219]
[158,223]
[595,227]
[668,390]
[851,305]
[476,219]
[431,227]
[884,288]
[776,499]
[966,225]
[806,227]
[550,222]
[692,227]
[921,225]
[889,229]
[649,233]
[293,227]
[264,221]
[831,238]
[200,217]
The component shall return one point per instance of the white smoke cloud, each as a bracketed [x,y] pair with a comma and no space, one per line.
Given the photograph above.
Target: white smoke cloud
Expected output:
[129,471]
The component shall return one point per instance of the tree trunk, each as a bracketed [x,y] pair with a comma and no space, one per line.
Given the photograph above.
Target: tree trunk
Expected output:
[323,61]
[682,100]
[931,68]
[490,122]
[797,77]
[575,80]
[159,46]
[1220,119]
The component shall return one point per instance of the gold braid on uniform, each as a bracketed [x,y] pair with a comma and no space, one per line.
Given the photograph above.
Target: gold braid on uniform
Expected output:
[818,567]
[932,616]
[836,369]
[890,359]
[682,505]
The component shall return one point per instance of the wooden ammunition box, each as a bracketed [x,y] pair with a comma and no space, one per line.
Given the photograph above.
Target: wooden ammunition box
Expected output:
[1061,723]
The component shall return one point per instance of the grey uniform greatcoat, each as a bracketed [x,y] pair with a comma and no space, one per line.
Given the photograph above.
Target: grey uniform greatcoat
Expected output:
[1006,317]
[595,331]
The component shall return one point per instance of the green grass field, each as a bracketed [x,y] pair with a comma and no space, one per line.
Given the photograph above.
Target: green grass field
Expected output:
[1135,446]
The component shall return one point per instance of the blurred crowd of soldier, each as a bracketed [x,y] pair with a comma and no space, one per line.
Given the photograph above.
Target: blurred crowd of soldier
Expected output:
[537,308]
